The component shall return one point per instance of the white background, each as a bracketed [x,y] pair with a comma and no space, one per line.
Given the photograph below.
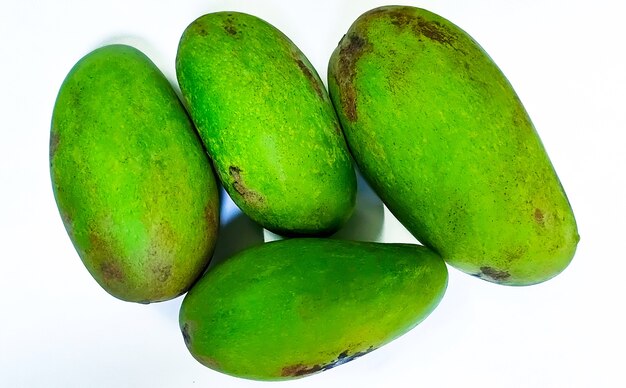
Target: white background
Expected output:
[566,59]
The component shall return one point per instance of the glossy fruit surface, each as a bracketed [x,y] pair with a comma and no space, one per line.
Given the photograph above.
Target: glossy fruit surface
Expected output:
[294,307]
[131,180]
[442,137]
[268,124]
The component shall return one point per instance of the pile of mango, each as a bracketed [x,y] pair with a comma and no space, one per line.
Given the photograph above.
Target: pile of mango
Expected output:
[413,101]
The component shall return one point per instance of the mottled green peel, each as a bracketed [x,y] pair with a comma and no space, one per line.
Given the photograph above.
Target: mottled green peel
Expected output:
[440,134]
[132,182]
[268,123]
[290,308]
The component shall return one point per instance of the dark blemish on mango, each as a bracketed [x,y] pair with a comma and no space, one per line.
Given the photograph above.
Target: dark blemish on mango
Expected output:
[186,336]
[239,186]
[75,97]
[299,370]
[345,356]
[520,117]
[352,47]
[235,172]
[355,44]
[312,79]
[539,216]
[400,19]
[341,40]
[514,255]
[433,31]
[161,242]
[68,222]
[229,27]
[208,361]
[111,271]
[201,30]
[162,272]
[493,273]
[342,358]
[210,215]
[54,143]
[67,219]
[103,253]
[430,29]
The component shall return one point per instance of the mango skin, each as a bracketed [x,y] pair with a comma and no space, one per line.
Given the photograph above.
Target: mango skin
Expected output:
[131,179]
[291,308]
[268,124]
[442,137]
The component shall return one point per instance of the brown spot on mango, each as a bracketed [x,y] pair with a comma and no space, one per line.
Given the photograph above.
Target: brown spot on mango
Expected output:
[255,330]
[229,27]
[67,219]
[201,30]
[431,29]
[105,259]
[515,254]
[131,186]
[400,19]
[494,274]
[111,271]
[288,118]
[299,370]
[186,336]
[311,77]
[54,143]
[210,213]
[418,63]
[240,187]
[539,216]
[352,47]
[162,272]
[208,361]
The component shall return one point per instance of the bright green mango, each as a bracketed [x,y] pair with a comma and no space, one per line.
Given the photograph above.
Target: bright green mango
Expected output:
[294,307]
[268,124]
[130,176]
[442,137]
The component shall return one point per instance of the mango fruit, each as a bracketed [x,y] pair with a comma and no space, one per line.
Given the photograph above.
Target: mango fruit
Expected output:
[268,124]
[291,308]
[131,179]
[442,137]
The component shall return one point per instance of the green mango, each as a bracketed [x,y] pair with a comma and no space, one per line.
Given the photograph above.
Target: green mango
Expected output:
[442,137]
[267,122]
[131,179]
[291,308]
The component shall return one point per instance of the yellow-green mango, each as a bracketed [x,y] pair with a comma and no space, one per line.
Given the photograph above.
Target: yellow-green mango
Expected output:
[291,308]
[442,137]
[131,179]
[268,124]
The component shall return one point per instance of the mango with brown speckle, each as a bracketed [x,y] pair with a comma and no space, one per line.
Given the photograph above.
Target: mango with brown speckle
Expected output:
[131,179]
[268,124]
[292,308]
[442,137]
